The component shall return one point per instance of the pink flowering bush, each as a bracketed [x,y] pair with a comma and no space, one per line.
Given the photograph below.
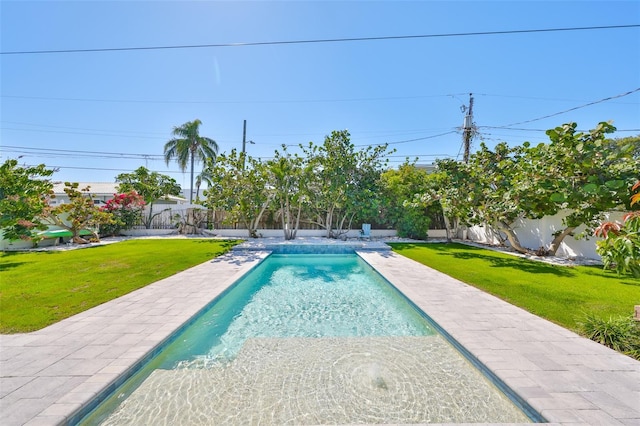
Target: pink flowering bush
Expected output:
[126,209]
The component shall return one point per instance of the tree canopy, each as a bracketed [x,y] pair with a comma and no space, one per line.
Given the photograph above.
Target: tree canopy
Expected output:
[151,186]
[582,175]
[189,147]
[398,208]
[346,186]
[80,213]
[24,194]
[290,178]
[240,187]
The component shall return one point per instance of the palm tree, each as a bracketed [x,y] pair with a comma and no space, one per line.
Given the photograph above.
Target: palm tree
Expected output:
[204,176]
[189,146]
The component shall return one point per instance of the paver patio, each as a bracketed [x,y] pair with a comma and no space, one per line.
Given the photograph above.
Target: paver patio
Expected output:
[46,376]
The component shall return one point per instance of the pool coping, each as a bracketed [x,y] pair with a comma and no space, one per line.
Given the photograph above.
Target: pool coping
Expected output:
[50,374]
[566,378]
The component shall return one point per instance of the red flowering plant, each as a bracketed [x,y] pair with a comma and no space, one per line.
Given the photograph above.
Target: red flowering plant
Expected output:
[620,246]
[127,211]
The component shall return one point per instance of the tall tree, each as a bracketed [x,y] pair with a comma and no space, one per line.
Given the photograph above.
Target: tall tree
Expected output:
[485,191]
[152,186]
[398,207]
[204,176]
[583,174]
[80,213]
[289,177]
[188,147]
[347,181]
[239,187]
[24,192]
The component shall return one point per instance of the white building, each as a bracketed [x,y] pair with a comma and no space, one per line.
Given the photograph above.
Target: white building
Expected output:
[101,192]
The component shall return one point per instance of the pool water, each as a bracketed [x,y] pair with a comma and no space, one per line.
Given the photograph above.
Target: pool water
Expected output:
[309,339]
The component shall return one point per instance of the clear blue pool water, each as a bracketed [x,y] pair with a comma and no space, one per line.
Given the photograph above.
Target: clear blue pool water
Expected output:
[302,296]
[308,339]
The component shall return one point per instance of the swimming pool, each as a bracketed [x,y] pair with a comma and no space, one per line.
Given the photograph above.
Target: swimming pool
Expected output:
[309,339]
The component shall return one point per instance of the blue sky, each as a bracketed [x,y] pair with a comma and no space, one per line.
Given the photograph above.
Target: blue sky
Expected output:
[94,115]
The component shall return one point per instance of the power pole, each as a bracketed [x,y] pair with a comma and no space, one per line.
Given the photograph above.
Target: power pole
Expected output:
[244,140]
[468,129]
[244,136]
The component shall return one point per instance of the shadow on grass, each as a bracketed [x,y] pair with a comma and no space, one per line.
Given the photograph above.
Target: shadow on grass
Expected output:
[221,247]
[598,271]
[10,265]
[7,260]
[495,260]
[530,266]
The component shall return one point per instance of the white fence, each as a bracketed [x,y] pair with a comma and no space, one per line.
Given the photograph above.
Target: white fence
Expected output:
[278,233]
[535,233]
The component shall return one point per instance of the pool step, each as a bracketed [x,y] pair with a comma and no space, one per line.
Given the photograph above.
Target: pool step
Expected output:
[324,381]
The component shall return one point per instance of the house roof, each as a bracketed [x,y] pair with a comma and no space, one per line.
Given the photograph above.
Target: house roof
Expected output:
[105,189]
[95,188]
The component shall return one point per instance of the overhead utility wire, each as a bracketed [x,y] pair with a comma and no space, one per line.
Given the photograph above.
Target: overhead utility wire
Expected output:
[73,151]
[291,101]
[329,40]
[410,140]
[570,109]
[82,133]
[77,128]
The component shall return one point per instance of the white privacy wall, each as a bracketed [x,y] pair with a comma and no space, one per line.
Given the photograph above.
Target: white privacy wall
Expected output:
[535,233]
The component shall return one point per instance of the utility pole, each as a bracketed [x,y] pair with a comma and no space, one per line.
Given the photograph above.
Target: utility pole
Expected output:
[468,129]
[244,141]
[244,136]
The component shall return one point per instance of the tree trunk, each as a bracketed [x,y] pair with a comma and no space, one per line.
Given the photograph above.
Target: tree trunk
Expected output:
[513,238]
[447,227]
[557,240]
[147,223]
[190,223]
[76,239]
[295,231]
[285,215]
[252,225]
[191,183]
[329,222]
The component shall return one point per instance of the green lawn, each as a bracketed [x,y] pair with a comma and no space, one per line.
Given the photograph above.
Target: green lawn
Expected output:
[558,293]
[40,288]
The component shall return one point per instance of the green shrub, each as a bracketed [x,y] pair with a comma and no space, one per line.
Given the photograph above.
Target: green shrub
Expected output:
[620,246]
[413,224]
[619,333]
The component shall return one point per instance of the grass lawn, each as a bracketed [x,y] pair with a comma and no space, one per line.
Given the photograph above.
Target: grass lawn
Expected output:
[558,293]
[40,288]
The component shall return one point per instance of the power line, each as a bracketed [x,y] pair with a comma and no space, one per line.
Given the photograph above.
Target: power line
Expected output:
[81,133]
[410,140]
[74,151]
[544,130]
[333,40]
[571,109]
[285,101]
[21,123]
[537,98]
